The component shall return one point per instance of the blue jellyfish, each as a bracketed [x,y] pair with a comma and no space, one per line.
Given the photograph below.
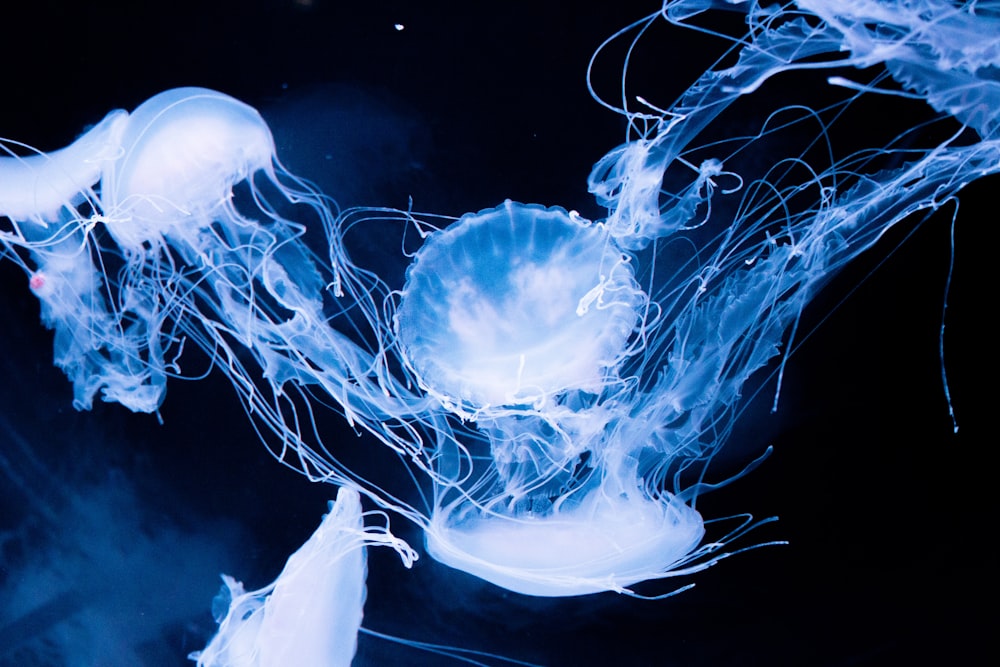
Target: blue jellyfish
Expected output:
[172,225]
[519,319]
[311,614]
[554,389]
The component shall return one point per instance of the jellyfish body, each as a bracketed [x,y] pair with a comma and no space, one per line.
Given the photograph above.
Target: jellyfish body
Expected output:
[165,171]
[311,614]
[519,317]
[183,151]
[602,541]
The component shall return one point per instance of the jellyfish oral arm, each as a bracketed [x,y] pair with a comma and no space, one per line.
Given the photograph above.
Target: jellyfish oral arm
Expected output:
[43,195]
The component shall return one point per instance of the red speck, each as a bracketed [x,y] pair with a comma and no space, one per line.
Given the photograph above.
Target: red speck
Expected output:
[37,281]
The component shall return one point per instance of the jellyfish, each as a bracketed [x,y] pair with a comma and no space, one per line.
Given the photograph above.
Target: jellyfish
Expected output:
[311,614]
[519,318]
[553,391]
[164,227]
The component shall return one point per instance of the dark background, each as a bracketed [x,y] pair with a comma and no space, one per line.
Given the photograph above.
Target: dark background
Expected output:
[888,513]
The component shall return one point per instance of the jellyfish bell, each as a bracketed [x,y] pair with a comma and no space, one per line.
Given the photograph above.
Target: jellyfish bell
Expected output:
[606,542]
[515,304]
[183,151]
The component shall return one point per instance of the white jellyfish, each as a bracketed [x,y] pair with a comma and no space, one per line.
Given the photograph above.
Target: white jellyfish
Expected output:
[311,614]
